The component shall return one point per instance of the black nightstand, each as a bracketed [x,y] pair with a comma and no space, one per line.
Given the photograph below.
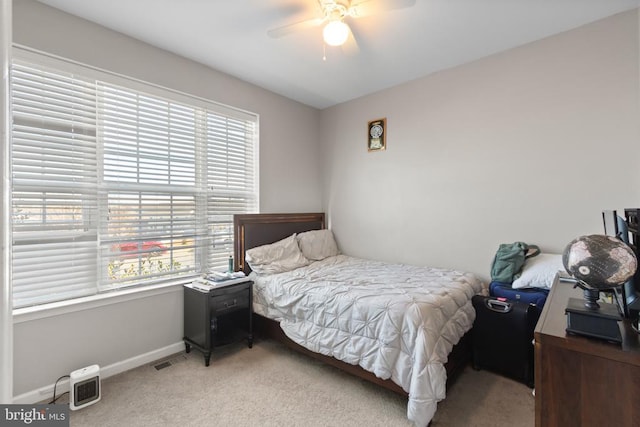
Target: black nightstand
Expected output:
[217,317]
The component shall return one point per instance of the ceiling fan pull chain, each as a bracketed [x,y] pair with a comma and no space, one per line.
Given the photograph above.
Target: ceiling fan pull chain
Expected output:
[324,51]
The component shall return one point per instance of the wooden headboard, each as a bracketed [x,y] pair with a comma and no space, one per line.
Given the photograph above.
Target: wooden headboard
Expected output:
[251,230]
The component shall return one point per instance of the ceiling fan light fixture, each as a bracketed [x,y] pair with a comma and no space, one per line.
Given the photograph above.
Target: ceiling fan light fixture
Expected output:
[335,33]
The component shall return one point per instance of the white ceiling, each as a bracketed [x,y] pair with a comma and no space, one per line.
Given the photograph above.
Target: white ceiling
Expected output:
[394,46]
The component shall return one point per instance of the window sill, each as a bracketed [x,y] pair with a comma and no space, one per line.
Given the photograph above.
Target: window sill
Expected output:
[43,311]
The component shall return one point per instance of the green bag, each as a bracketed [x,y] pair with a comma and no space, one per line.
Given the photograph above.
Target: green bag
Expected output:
[509,260]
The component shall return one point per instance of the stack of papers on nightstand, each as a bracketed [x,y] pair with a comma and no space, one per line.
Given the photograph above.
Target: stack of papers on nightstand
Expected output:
[217,279]
[217,276]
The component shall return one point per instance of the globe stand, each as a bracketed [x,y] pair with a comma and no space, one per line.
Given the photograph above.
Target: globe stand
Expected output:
[591,297]
[589,318]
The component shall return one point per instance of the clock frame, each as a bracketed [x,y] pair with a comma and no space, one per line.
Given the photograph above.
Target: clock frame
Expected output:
[377,135]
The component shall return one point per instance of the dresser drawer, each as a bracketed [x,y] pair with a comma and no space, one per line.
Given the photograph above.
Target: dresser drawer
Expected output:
[230,302]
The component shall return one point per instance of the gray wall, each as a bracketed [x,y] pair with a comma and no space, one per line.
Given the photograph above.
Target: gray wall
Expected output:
[529,144]
[47,348]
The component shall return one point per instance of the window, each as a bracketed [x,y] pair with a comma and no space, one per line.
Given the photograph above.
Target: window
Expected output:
[116,183]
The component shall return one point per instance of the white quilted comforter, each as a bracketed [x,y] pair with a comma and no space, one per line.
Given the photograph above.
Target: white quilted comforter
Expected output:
[394,320]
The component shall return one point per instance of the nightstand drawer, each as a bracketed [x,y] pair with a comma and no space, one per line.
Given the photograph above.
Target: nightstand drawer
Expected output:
[222,303]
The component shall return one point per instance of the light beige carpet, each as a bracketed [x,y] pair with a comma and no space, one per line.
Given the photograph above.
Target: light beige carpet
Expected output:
[269,385]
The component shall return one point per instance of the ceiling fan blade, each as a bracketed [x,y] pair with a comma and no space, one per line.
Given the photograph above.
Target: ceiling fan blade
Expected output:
[371,7]
[350,47]
[285,30]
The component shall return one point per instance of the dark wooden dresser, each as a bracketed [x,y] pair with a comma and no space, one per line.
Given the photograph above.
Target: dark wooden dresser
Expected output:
[582,381]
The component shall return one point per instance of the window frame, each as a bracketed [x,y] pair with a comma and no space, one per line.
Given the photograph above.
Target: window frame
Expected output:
[102,292]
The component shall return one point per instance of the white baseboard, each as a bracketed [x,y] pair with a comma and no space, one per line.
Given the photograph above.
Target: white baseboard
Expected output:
[46,392]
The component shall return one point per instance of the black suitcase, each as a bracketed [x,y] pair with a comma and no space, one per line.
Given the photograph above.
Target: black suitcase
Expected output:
[503,337]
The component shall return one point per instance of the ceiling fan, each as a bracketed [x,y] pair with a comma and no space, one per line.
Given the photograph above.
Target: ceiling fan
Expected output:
[333,14]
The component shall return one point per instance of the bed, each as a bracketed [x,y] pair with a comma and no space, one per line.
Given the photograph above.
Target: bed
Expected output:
[365,317]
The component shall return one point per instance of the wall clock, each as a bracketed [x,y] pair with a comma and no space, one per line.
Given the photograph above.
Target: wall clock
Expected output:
[376,135]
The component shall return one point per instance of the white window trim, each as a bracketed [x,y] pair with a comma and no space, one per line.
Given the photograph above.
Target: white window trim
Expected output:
[59,308]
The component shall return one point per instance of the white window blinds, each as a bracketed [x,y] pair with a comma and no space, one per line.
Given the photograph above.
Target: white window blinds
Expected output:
[117,184]
[54,179]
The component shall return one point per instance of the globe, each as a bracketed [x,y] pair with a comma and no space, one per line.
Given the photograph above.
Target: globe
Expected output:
[601,262]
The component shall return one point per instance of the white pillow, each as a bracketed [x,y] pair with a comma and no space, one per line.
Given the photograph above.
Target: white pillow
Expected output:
[277,257]
[317,244]
[539,272]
